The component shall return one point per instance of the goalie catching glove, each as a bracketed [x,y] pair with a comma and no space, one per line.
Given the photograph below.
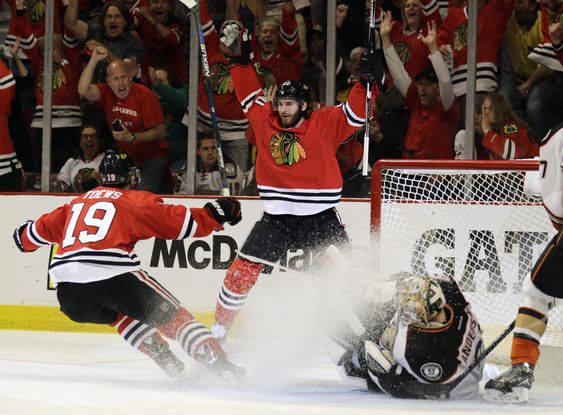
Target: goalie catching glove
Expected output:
[225,210]
[235,37]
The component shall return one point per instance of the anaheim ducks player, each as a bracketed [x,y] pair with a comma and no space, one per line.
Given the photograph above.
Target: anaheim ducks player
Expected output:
[544,283]
[431,338]
[296,171]
[99,278]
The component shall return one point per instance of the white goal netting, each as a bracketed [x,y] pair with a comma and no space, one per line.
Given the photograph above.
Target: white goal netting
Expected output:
[472,220]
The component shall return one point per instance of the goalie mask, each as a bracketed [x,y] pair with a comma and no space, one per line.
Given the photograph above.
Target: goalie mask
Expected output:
[118,170]
[418,300]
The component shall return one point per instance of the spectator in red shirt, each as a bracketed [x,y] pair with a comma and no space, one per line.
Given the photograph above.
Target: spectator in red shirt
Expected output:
[278,46]
[161,33]
[66,113]
[434,111]
[135,117]
[406,35]
[506,136]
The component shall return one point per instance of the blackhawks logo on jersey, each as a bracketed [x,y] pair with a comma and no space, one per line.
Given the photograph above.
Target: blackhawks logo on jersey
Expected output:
[221,81]
[35,10]
[285,149]
[510,129]
[59,77]
[404,51]
[460,37]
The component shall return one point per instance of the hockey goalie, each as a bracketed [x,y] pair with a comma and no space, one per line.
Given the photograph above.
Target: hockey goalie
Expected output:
[427,335]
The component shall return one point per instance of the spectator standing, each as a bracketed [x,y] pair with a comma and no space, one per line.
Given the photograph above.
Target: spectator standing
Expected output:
[107,222]
[113,33]
[135,117]
[66,113]
[277,48]
[492,18]
[547,109]
[10,167]
[406,35]
[208,175]
[35,10]
[296,172]
[232,122]
[163,38]
[505,135]
[81,172]
[521,78]
[431,99]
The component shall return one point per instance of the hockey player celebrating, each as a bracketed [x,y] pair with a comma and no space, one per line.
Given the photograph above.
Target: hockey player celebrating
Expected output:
[544,283]
[431,338]
[99,278]
[297,171]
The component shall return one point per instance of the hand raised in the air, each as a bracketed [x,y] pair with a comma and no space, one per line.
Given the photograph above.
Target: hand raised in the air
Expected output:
[225,210]
[238,41]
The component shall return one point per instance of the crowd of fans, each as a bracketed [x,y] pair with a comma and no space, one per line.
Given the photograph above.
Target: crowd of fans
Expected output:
[120,79]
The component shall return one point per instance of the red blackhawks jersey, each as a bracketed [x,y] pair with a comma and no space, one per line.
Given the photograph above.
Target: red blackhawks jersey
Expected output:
[491,24]
[546,53]
[8,158]
[96,232]
[297,171]
[35,10]
[286,62]
[409,46]
[232,121]
[65,99]
[512,142]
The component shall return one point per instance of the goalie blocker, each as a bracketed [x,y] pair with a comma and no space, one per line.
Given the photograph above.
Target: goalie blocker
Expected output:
[431,339]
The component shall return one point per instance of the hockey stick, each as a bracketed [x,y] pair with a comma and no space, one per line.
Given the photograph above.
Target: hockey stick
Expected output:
[371,46]
[194,7]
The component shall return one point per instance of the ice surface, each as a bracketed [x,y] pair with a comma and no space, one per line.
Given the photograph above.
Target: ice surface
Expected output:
[277,340]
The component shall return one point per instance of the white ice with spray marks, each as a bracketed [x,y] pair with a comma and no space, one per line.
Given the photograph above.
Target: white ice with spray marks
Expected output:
[278,340]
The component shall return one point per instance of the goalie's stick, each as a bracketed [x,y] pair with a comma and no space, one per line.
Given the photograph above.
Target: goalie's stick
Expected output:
[371,46]
[194,7]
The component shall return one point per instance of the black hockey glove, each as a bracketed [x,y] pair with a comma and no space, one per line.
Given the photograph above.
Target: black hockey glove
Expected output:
[239,42]
[371,68]
[18,235]
[225,210]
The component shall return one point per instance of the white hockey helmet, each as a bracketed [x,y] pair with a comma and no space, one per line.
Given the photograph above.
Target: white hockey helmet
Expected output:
[418,300]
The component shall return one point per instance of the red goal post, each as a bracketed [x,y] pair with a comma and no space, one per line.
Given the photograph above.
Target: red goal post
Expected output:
[474,220]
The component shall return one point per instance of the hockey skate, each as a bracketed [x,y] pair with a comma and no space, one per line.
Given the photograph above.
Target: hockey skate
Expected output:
[212,356]
[512,386]
[220,333]
[163,357]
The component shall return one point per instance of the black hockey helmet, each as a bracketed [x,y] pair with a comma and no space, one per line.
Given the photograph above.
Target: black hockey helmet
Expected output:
[295,90]
[117,169]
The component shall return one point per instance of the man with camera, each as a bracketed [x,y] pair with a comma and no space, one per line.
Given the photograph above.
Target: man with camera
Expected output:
[135,118]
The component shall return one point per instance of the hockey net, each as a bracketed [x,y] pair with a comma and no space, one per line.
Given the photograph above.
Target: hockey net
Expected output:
[473,220]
